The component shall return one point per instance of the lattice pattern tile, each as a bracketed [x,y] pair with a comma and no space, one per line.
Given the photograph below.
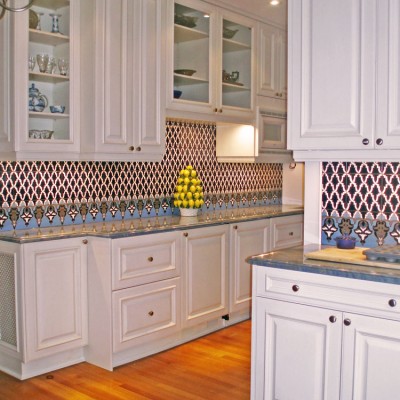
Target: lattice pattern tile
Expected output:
[362,199]
[42,193]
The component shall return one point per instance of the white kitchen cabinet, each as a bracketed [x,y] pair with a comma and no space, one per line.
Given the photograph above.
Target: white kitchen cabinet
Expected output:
[323,337]
[246,239]
[210,62]
[44,318]
[272,61]
[20,143]
[344,79]
[205,274]
[123,51]
[145,313]
[286,231]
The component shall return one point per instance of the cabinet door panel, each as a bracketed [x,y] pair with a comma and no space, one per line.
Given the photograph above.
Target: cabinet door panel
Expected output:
[246,239]
[371,358]
[206,274]
[333,95]
[296,352]
[55,297]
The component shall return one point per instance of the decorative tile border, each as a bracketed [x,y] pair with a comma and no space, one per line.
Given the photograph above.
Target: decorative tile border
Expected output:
[60,193]
[362,199]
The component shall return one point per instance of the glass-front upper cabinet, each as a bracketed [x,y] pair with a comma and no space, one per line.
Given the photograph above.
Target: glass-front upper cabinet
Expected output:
[210,67]
[45,81]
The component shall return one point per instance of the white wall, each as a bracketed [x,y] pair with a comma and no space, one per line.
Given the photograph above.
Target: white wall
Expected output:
[293,184]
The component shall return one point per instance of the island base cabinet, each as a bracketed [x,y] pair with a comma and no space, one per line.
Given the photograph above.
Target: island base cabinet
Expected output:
[371,361]
[296,352]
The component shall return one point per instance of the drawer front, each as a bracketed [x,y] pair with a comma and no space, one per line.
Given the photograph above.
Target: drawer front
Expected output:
[344,294]
[145,259]
[144,313]
[286,232]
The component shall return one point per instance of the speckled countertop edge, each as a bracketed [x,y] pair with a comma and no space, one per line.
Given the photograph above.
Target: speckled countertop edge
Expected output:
[293,259]
[142,226]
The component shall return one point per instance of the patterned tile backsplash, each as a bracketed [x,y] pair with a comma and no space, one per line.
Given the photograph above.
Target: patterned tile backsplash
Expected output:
[361,199]
[54,193]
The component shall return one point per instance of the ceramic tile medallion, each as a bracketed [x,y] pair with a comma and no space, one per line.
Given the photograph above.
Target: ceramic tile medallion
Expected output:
[361,199]
[61,193]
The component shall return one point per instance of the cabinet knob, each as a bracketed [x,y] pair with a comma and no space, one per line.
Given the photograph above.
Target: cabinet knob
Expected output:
[138,149]
[332,319]
[150,259]
[295,288]
[220,110]
[291,233]
[365,142]
[379,142]
[277,94]
[215,110]
[235,227]
[347,321]
[392,303]
[151,313]
[131,148]
[85,241]
[186,234]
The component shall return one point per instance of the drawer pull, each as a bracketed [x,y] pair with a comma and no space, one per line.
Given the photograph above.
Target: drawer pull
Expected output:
[186,234]
[235,227]
[151,313]
[150,259]
[295,288]
[291,233]
[332,319]
[131,148]
[392,303]
[347,321]
[85,241]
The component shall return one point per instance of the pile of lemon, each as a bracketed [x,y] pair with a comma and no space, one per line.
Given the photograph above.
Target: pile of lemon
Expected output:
[189,189]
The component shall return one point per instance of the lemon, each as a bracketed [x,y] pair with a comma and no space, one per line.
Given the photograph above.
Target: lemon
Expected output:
[191,203]
[192,188]
[176,195]
[186,172]
[193,182]
[182,196]
[189,195]
[185,189]
[180,180]
[185,203]
[196,195]
[179,188]
[193,173]
[186,181]
[189,167]
[199,188]
[197,203]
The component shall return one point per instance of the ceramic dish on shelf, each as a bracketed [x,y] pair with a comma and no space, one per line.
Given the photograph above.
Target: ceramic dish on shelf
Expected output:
[33,19]
[57,109]
[40,134]
[177,94]
[185,20]
[187,72]
[229,33]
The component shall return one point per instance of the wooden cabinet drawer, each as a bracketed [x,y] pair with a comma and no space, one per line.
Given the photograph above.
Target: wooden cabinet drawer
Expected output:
[144,259]
[329,291]
[144,313]
[286,231]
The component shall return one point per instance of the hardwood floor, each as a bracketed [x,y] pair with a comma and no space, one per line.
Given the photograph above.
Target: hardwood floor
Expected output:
[214,367]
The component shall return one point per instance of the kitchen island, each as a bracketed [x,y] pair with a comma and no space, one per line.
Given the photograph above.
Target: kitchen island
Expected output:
[324,330]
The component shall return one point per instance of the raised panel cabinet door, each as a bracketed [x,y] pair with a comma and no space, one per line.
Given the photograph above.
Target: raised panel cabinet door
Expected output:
[388,76]
[296,352]
[371,358]
[55,297]
[205,273]
[247,239]
[269,62]
[331,74]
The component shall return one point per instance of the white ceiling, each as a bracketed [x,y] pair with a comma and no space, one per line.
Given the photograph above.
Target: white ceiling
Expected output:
[259,9]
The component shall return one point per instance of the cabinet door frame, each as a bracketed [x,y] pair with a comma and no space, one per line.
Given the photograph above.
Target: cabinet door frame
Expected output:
[40,261]
[204,236]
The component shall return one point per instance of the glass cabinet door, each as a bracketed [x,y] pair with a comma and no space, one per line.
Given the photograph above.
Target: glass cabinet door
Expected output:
[191,54]
[236,65]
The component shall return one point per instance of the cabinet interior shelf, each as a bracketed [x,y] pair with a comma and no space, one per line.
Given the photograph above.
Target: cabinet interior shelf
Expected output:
[180,79]
[48,38]
[47,115]
[43,77]
[184,34]
[52,4]
[232,45]
[231,87]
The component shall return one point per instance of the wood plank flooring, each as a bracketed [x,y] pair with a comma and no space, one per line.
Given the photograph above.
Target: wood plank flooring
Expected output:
[214,367]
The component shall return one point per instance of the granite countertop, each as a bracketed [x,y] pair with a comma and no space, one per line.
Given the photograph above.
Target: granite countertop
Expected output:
[294,259]
[141,226]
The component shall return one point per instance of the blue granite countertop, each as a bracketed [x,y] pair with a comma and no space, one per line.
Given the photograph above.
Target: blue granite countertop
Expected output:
[294,259]
[141,226]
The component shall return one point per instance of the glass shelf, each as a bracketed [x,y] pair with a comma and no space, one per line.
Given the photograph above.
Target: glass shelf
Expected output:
[43,77]
[47,38]
[47,115]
